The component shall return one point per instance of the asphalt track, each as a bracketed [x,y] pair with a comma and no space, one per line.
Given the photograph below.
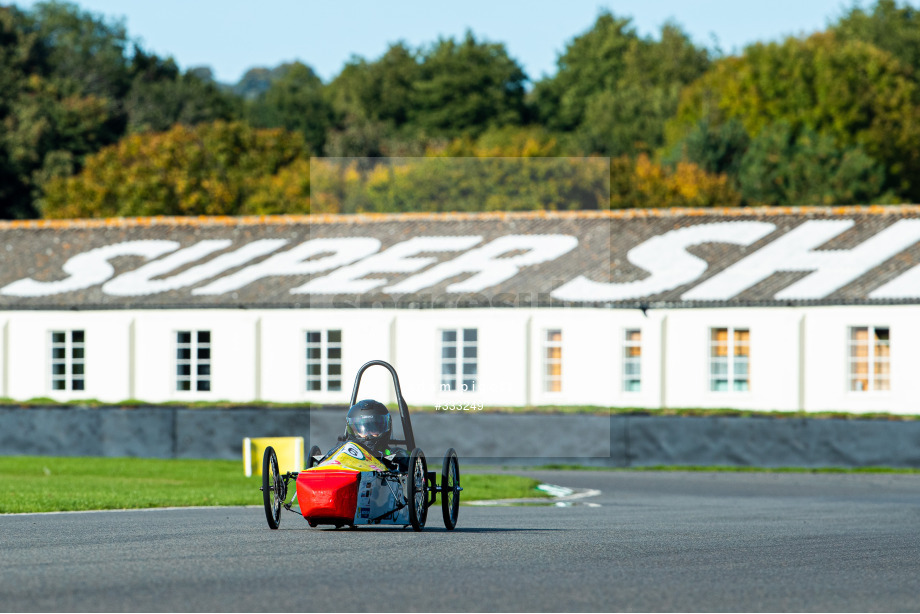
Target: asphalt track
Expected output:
[658,541]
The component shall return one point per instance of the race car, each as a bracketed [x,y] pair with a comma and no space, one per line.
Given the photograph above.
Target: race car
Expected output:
[357,483]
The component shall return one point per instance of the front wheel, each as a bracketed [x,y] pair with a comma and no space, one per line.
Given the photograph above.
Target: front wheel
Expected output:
[417,489]
[450,489]
[272,488]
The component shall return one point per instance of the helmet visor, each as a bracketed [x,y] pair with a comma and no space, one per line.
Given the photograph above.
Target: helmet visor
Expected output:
[370,427]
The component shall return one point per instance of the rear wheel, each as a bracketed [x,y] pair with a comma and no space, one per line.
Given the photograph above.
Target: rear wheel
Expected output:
[417,489]
[311,460]
[450,489]
[272,488]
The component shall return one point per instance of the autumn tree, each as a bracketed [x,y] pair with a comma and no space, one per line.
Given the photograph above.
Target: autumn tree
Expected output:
[71,83]
[210,169]
[641,183]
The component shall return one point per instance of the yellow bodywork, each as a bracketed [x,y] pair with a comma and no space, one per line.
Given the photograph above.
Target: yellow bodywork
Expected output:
[351,457]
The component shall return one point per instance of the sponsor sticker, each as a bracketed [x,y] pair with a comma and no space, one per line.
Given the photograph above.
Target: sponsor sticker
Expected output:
[353,451]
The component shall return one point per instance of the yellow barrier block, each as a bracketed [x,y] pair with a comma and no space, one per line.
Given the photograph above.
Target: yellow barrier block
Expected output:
[288,449]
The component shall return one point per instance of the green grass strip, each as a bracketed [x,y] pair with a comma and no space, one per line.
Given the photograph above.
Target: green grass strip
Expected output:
[58,484]
[530,409]
[725,469]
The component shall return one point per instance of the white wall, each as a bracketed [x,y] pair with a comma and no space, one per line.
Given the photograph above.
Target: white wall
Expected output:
[233,372]
[365,336]
[774,357]
[826,379]
[107,361]
[500,352]
[260,355]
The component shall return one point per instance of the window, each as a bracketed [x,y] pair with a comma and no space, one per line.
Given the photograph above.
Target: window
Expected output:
[324,360]
[632,361]
[193,360]
[459,359]
[68,360]
[730,359]
[870,359]
[552,361]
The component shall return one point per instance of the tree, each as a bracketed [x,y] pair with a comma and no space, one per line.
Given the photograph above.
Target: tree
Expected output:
[295,101]
[615,89]
[850,91]
[890,27]
[68,88]
[84,50]
[20,55]
[160,96]
[715,148]
[377,92]
[445,183]
[786,167]
[641,183]
[210,169]
[467,87]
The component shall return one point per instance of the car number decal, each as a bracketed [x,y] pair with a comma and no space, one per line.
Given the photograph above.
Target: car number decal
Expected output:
[353,451]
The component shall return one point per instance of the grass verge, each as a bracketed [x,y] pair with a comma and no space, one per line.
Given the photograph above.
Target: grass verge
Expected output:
[530,409]
[58,484]
[727,469]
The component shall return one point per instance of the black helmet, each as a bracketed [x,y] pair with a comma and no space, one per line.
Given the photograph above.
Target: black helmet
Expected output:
[368,423]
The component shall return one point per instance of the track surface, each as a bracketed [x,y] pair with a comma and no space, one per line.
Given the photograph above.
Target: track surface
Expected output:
[659,541]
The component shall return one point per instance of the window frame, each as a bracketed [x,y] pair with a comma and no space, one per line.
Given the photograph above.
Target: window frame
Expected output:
[549,344]
[872,360]
[731,377]
[69,360]
[325,361]
[627,360]
[195,362]
[460,360]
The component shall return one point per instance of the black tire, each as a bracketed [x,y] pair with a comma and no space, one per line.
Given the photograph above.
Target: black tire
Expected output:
[314,451]
[417,489]
[450,489]
[272,488]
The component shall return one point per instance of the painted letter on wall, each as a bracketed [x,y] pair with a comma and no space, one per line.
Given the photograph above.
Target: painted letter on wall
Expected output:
[667,261]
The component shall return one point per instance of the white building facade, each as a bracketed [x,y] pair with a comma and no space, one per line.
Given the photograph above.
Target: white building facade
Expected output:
[808,309]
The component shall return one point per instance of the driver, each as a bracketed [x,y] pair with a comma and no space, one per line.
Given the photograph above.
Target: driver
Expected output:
[368,423]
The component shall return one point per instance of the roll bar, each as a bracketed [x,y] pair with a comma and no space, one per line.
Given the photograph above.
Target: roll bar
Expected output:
[409,440]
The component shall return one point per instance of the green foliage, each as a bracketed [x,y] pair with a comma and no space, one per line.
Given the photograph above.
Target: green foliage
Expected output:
[615,89]
[888,26]
[211,169]
[467,86]
[785,167]
[449,89]
[850,91]
[459,184]
[68,87]
[715,148]
[294,101]
[831,118]
[256,81]
[160,97]
[52,111]
[379,91]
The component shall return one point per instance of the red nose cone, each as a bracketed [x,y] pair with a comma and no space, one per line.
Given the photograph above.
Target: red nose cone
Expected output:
[328,497]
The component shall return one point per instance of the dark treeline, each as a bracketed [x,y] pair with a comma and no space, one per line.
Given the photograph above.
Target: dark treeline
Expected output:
[93,125]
